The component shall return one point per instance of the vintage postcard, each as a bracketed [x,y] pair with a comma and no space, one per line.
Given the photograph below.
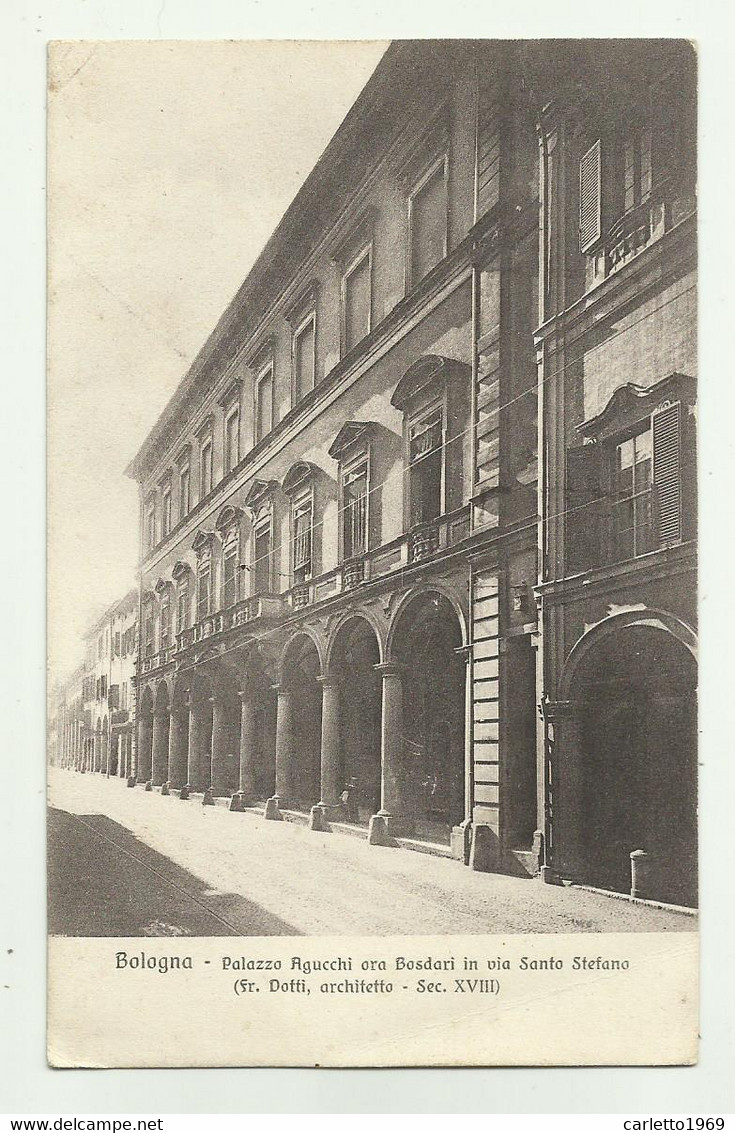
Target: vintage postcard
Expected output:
[372,553]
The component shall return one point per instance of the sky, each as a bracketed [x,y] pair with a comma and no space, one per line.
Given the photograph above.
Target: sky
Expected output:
[170,164]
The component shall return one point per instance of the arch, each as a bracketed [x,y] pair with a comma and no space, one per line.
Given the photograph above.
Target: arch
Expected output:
[615,623]
[426,642]
[354,658]
[301,669]
[162,697]
[298,641]
[416,592]
[624,756]
[359,614]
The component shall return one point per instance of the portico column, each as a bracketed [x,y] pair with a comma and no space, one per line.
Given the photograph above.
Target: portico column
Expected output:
[161,724]
[97,751]
[178,738]
[330,751]
[284,753]
[145,741]
[196,742]
[390,819]
[248,747]
[223,745]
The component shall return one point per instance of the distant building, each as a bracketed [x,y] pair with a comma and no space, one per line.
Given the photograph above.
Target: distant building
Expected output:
[94,714]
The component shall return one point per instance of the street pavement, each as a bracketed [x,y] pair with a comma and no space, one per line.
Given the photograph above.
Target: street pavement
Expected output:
[126,862]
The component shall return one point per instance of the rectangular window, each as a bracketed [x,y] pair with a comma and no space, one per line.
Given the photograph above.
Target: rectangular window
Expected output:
[356,300]
[165,511]
[229,574]
[165,622]
[637,169]
[151,525]
[204,589]
[184,491]
[232,440]
[261,570]
[632,511]
[264,403]
[302,524]
[149,630]
[205,469]
[182,607]
[303,359]
[428,222]
[425,467]
[354,514]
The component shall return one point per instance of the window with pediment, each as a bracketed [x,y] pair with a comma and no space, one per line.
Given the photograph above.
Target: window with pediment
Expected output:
[228,526]
[630,484]
[298,484]
[422,397]
[182,578]
[351,448]
[165,615]
[260,502]
[203,550]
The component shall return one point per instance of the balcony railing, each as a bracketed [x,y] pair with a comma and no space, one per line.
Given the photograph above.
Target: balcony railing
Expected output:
[641,226]
[242,613]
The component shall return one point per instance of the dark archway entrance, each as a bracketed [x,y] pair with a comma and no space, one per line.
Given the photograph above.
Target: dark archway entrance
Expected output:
[636,701]
[301,672]
[145,736]
[354,657]
[426,644]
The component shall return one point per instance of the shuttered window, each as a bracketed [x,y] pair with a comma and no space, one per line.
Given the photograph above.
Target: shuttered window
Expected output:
[590,197]
[261,568]
[204,583]
[302,523]
[666,427]
[229,571]
[425,454]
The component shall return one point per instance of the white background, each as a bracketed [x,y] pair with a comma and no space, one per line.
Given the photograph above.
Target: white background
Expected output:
[26,1085]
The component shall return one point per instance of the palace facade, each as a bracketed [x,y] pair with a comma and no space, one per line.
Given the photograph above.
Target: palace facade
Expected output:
[418,522]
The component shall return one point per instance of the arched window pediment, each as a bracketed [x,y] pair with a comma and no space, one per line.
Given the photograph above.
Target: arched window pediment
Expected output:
[350,434]
[181,571]
[631,401]
[162,587]
[425,375]
[258,492]
[203,543]
[299,476]
[228,517]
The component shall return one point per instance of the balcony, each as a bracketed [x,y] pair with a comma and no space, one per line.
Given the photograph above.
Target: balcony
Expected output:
[260,607]
[638,228]
[416,546]
[157,660]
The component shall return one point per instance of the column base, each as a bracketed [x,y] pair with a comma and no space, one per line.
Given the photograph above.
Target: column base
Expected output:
[460,840]
[208,798]
[484,850]
[236,802]
[149,785]
[549,876]
[131,780]
[185,791]
[166,788]
[385,828]
[272,810]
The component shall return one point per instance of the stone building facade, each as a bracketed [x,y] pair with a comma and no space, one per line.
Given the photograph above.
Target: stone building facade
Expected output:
[617,402]
[338,504]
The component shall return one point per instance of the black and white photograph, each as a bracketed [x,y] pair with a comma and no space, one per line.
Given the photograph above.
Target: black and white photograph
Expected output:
[372,567]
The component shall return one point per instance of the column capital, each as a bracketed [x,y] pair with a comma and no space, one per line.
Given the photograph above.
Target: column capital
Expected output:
[390,669]
[464,652]
[329,680]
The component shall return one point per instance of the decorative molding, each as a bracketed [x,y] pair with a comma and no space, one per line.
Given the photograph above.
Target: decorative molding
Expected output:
[430,370]
[181,570]
[202,541]
[228,517]
[349,434]
[230,394]
[207,427]
[257,493]
[303,305]
[299,474]
[631,401]
[353,235]
[262,353]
